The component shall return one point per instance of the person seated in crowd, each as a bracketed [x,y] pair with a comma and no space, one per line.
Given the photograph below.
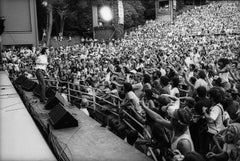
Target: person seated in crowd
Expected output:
[149,99]
[132,99]
[109,93]
[140,83]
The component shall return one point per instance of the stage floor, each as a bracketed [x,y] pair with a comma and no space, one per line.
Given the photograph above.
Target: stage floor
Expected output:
[20,138]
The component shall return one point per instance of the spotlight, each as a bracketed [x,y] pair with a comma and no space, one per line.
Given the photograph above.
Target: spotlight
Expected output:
[45,3]
[106,13]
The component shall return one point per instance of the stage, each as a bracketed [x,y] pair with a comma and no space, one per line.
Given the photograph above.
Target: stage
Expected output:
[87,142]
[20,138]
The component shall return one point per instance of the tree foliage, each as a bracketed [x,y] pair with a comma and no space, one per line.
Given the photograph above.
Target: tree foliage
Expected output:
[133,13]
[149,9]
[75,16]
[81,19]
[71,16]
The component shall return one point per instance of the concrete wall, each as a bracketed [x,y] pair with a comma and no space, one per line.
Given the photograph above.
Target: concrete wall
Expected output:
[21,22]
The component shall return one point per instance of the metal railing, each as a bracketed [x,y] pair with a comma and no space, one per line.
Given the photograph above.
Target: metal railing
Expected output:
[121,114]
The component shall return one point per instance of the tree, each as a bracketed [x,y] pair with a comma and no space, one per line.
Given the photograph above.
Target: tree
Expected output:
[49,21]
[80,20]
[61,7]
[133,13]
[67,8]
[42,18]
[129,13]
[75,16]
[149,9]
[137,4]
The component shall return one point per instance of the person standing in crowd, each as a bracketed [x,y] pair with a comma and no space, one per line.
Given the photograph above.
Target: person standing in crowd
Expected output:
[174,89]
[230,138]
[215,116]
[178,126]
[41,65]
[130,97]
[200,127]
[222,67]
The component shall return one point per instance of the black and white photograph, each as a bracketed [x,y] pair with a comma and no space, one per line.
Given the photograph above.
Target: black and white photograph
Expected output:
[119,80]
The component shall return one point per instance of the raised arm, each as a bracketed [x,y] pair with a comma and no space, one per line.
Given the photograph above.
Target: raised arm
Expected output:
[187,81]
[156,117]
[224,70]
[174,98]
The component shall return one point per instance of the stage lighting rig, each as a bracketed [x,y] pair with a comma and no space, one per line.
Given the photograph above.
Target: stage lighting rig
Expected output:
[106,13]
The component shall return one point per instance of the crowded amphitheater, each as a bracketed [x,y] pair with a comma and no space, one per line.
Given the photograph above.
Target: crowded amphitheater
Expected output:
[168,91]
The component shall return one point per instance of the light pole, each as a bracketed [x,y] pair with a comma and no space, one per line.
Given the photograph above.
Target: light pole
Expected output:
[48,5]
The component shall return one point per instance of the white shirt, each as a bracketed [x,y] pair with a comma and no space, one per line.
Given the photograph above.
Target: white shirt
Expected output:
[191,74]
[174,91]
[188,61]
[163,72]
[138,89]
[224,77]
[171,109]
[196,58]
[16,67]
[201,82]
[216,114]
[108,76]
[41,62]
[136,102]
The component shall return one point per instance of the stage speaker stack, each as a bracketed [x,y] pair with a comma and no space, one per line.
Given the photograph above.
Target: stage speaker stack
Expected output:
[49,91]
[37,91]
[53,101]
[60,118]
[20,79]
[28,85]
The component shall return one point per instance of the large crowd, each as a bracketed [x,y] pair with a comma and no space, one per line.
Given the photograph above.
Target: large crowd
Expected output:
[182,79]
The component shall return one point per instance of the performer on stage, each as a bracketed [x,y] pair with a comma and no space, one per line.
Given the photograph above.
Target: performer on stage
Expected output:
[41,65]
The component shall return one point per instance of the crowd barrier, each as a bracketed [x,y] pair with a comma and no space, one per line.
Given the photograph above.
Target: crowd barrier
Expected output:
[122,114]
